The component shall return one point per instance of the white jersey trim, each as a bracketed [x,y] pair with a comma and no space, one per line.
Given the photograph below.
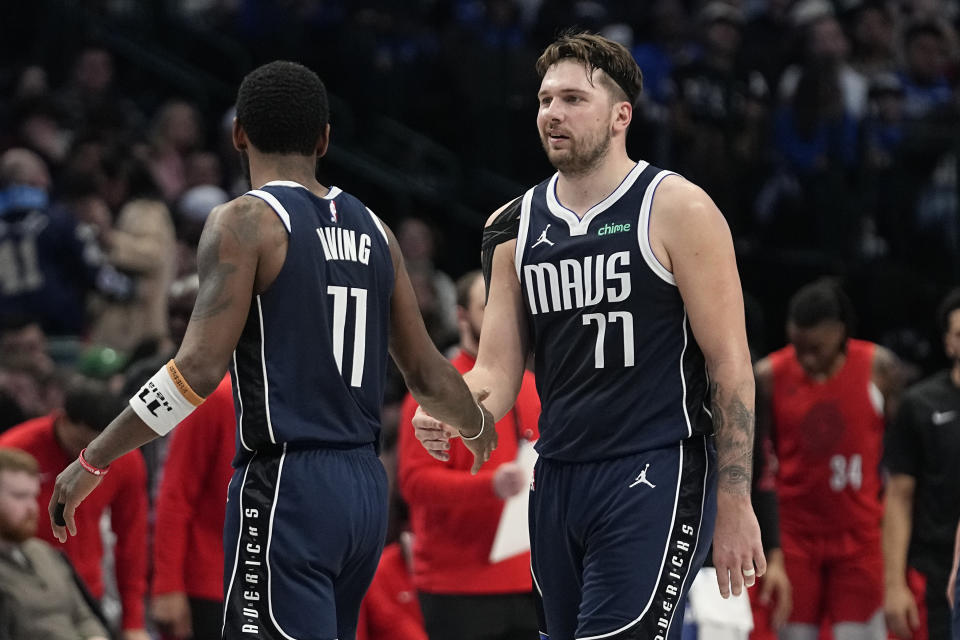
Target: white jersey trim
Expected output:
[683,377]
[273,511]
[332,192]
[284,183]
[271,200]
[379,224]
[663,560]
[696,543]
[236,381]
[643,231]
[523,232]
[579,226]
[263,362]
[236,558]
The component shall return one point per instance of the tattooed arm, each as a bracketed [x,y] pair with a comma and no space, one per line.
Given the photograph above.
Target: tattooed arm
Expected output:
[240,252]
[690,237]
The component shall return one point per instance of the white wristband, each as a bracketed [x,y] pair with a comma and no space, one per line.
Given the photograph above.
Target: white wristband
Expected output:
[165,400]
[483,423]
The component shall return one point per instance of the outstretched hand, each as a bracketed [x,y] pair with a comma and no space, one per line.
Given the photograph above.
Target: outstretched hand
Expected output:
[435,436]
[73,485]
[483,443]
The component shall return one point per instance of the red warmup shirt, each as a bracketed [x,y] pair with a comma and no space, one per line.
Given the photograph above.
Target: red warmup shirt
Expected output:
[454,515]
[123,491]
[390,610]
[192,502]
[828,439]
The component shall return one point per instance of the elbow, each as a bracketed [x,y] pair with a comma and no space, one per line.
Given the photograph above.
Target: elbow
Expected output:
[202,374]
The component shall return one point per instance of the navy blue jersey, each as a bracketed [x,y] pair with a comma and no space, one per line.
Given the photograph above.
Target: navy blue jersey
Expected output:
[310,365]
[617,367]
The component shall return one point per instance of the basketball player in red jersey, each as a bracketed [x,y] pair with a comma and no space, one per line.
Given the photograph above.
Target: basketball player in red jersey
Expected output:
[825,396]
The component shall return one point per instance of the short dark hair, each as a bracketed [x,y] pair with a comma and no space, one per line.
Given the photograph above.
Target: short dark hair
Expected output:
[283,108]
[596,52]
[949,304]
[821,301]
[90,402]
[464,284]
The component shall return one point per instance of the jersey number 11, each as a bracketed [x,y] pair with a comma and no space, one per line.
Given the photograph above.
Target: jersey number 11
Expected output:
[341,297]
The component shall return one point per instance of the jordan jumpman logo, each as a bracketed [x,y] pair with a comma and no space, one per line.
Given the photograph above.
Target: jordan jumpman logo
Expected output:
[543,238]
[642,478]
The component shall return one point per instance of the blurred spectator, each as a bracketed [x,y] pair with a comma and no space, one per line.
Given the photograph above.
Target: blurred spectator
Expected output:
[390,609]
[826,48]
[91,100]
[463,595]
[808,203]
[662,49]
[176,132]
[41,598]
[48,263]
[718,111]
[824,397]
[924,77]
[923,494]
[28,382]
[187,585]
[873,31]
[55,441]
[192,211]
[436,292]
[143,244]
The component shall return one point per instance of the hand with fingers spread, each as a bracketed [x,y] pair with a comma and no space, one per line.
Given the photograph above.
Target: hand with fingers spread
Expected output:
[73,485]
[737,550]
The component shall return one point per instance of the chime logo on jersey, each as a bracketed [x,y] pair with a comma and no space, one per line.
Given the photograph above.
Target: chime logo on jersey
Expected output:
[577,283]
[617,227]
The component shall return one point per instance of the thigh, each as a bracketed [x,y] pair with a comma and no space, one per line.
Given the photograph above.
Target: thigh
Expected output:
[556,558]
[649,524]
[854,581]
[804,564]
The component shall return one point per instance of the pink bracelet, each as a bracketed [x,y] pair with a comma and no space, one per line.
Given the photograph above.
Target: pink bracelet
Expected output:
[97,471]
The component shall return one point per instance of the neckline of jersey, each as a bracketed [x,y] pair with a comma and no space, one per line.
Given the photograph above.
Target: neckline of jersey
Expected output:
[578,226]
[332,191]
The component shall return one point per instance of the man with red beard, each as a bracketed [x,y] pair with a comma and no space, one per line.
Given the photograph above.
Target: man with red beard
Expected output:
[41,597]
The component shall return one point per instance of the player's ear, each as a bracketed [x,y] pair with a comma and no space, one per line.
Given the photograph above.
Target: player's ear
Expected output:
[323,141]
[239,136]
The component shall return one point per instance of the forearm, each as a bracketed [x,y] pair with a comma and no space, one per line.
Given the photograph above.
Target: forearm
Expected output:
[733,396]
[440,390]
[500,385]
[897,523]
[126,433]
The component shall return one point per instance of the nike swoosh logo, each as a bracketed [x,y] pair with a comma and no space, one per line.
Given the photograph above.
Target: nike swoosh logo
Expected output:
[943,417]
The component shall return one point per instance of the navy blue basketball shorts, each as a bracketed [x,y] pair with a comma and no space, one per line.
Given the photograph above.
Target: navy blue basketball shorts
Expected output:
[615,544]
[302,539]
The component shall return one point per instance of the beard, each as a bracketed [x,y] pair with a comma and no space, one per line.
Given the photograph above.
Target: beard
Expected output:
[18,532]
[583,155]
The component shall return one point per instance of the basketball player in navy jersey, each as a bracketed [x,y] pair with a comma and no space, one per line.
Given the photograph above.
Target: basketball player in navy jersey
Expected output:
[300,286]
[621,278]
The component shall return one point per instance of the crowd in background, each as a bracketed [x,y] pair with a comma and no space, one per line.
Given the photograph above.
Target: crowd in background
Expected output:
[827,132]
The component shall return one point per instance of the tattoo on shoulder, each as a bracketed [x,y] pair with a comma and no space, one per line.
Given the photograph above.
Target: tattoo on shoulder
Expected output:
[212,298]
[242,221]
[733,424]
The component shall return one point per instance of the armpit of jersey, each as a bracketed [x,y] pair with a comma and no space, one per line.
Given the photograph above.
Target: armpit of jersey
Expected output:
[504,228]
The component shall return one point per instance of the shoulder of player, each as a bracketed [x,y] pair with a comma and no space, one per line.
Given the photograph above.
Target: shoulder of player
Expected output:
[887,369]
[763,373]
[246,218]
[682,211]
[510,208]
